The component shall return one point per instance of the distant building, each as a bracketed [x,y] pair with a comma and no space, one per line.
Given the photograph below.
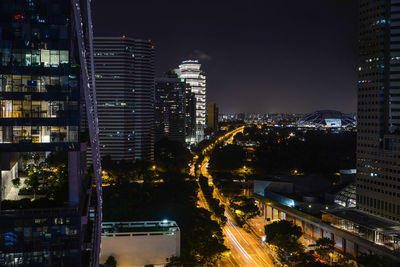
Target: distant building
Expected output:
[125,95]
[212,116]
[190,70]
[140,243]
[190,111]
[327,118]
[170,108]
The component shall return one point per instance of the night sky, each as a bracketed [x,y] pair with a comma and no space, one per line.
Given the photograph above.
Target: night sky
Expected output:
[258,55]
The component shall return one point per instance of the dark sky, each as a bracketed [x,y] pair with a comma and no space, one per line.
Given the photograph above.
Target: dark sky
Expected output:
[258,55]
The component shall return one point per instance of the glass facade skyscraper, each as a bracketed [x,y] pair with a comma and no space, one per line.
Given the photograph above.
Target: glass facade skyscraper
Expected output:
[125,93]
[44,90]
[170,108]
[378,140]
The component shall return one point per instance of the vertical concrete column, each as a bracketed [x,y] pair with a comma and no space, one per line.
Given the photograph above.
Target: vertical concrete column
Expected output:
[355,253]
[311,230]
[344,245]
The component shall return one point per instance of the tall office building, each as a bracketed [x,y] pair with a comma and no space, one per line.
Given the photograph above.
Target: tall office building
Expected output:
[212,116]
[170,108]
[378,140]
[45,191]
[190,121]
[190,70]
[125,96]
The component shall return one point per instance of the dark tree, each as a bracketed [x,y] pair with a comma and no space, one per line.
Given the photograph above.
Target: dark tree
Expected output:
[227,158]
[110,262]
[171,156]
[324,246]
[374,260]
[245,207]
[284,238]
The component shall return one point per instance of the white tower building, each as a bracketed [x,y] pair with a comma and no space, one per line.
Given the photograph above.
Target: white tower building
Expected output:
[190,70]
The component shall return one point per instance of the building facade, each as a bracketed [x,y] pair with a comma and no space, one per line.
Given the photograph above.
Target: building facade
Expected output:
[44,88]
[190,121]
[190,70]
[378,140]
[141,243]
[125,94]
[212,116]
[170,108]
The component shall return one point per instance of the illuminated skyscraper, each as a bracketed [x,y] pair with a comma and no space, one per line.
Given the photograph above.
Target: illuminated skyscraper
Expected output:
[170,108]
[191,71]
[125,93]
[378,140]
[44,89]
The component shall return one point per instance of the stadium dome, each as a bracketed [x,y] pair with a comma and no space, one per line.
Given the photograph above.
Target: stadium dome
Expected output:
[327,118]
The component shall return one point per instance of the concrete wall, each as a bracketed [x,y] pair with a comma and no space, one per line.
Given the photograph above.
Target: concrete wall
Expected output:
[139,249]
[6,178]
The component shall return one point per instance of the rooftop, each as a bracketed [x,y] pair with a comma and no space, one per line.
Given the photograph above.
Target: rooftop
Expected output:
[366,220]
[139,226]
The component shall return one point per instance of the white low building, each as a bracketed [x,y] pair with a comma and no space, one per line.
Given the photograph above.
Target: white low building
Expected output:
[140,243]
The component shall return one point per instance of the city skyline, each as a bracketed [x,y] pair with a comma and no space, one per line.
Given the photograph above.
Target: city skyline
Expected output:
[208,134]
[280,35]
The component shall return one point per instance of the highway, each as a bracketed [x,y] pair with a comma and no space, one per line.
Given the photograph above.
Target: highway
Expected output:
[246,248]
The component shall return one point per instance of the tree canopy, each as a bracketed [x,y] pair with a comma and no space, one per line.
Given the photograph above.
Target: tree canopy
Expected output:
[227,158]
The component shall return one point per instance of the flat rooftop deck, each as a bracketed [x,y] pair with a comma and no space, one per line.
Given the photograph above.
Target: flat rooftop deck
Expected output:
[139,226]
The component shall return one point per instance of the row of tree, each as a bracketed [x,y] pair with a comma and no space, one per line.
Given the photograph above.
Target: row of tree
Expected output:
[215,206]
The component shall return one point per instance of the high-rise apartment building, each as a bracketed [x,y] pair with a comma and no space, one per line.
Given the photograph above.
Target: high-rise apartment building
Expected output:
[378,140]
[45,191]
[170,108]
[212,116]
[125,96]
[190,121]
[190,70]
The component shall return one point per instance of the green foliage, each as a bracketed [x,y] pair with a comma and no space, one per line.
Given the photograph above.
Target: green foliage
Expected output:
[171,156]
[56,159]
[48,177]
[310,152]
[282,227]
[244,207]
[217,209]
[374,260]
[123,172]
[110,262]
[324,246]
[227,158]
[16,182]
[229,189]
[284,238]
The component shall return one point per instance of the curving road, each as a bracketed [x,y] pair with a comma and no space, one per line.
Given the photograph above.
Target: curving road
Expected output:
[246,248]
